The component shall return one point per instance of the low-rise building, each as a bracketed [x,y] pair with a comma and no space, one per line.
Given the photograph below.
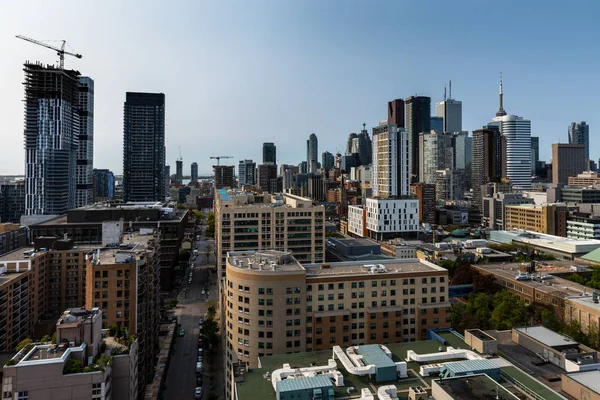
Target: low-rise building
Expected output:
[493,209]
[562,248]
[384,218]
[12,237]
[74,367]
[583,226]
[584,179]
[542,219]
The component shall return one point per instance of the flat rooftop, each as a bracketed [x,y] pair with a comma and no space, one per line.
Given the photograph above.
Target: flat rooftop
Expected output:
[377,268]
[589,379]
[546,336]
[263,260]
[474,387]
[134,243]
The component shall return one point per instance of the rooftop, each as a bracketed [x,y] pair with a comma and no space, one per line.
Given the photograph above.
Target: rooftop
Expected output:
[589,379]
[382,267]
[545,240]
[74,316]
[372,354]
[474,387]
[263,260]
[546,336]
[307,382]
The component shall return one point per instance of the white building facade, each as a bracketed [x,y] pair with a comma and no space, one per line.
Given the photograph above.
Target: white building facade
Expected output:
[390,174]
[517,134]
[392,215]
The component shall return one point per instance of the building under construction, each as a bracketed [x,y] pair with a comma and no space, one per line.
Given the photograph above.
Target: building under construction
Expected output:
[52,127]
[224,176]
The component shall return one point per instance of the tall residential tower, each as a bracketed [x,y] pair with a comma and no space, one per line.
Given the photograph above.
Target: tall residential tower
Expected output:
[312,153]
[84,171]
[144,147]
[418,120]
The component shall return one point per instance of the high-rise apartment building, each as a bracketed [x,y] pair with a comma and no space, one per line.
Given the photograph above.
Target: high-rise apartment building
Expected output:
[269,153]
[579,133]
[312,154]
[179,171]
[451,111]
[487,159]
[12,201]
[396,113]
[51,138]
[327,160]
[391,155]
[104,184]
[194,172]
[418,120]
[167,178]
[224,176]
[436,152]
[253,221]
[425,193]
[247,173]
[84,189]
[274,304]
[567,160]
[144,147]
[266,173]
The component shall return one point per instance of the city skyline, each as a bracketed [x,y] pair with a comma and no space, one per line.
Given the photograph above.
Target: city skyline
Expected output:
[313,40]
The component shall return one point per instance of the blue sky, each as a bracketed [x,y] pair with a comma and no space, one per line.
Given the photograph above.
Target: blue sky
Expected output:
[239,73]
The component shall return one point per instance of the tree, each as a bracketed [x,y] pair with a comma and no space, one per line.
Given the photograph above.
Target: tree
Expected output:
[462,275]
[210,226]
[22,344]
[508,311]
[72,366]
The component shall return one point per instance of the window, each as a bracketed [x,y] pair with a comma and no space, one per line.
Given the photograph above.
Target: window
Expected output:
[330,286]
[25,395]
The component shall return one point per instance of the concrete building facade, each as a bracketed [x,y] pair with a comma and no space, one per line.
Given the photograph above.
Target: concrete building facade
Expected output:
[247,173]
[584,179]
[487,159]
[567,160]
[224,176]
[542,219]
[390,174]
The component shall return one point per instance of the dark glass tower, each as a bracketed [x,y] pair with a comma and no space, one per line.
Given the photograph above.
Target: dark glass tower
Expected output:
[269,153]
[144,147]
[418,120]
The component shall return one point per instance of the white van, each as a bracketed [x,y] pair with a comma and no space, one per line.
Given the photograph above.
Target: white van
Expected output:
[198,367]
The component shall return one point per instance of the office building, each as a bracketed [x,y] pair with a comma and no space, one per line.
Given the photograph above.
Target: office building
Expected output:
[396,113]
[144,147]
[266,173]
[253,221]
[224,176]
[583,226]
[493,208]
[584,179]
[579,133]
[123,282]
[418,120]
[449,184]
[349,142]
[462,145]
[535,153]
[51,139]
[567,160]
[275,304]
[194,172]
[84,175]
[167,178]
[269,153]
[486,166]
[312,154]
[437,124]
[391,157]
[179,171]
[542,219]
[12,201]
[451,112]
[247,173]
[327,160]
[12,237]
[579,195]
[425,194]
[76,367]
[104,185]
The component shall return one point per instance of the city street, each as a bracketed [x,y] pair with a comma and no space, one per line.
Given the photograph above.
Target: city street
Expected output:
[181,376]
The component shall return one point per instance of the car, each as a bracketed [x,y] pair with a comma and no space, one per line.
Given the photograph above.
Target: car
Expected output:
[198,393]
[200,358]
[200,322]
[200,351]
[203,292]
[182,332]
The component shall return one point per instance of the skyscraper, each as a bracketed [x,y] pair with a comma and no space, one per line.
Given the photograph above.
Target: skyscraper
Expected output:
[437,124]
[390,169]
[84,170]
[265,173]
[247,173]
[327,160]
[269,153]
[396,113]
[418,119]
[516,133]
[579,133]
[51,138]
[435,148]
[144,147]
[224,176]
[312,153]
[451,112]
[365,147]
[179,171]
[567,160]
[194,172]
[167,178]
[351,138]
[104,184]
[486,166]
[535,153]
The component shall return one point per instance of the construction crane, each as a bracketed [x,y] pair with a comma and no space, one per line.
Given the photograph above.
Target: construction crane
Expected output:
[218,158]
[60,51]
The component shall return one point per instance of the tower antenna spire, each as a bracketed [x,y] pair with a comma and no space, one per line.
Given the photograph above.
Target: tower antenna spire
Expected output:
[501,111]
[444,91]
[450,90]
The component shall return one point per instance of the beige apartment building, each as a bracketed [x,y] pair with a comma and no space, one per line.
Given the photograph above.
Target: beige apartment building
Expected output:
[542,219]
[251,221]
[37,372]
[584,179]
[275,305]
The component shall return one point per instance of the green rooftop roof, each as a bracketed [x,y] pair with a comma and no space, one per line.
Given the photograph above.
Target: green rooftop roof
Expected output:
[593,256]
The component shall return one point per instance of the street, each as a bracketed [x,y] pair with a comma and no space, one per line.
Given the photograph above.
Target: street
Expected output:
[181,376]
